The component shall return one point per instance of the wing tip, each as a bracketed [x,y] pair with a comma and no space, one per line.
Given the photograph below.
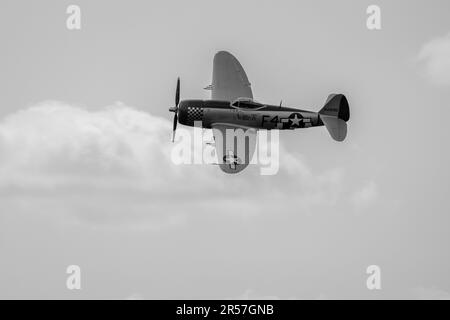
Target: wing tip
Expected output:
[224,54]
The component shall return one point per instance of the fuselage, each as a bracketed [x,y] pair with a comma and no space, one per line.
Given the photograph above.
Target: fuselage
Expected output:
[204,113]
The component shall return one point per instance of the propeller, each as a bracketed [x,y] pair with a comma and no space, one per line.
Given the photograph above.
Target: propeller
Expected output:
[175,109]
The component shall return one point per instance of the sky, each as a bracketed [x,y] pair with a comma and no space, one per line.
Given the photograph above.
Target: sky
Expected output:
[86,176]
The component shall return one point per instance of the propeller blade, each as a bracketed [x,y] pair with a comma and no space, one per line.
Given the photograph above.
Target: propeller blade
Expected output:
[175,109]
[177,93]
[175,122]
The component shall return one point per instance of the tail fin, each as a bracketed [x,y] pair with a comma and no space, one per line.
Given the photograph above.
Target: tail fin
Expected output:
[334,116]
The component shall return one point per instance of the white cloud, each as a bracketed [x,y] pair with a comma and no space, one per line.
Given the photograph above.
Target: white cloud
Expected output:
[135,296]
[435,55]
[431,294]
[115,164]
[365,196]
[252,295]
[56,144]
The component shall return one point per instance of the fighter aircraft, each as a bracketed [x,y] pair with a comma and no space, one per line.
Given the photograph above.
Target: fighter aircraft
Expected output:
[232,107]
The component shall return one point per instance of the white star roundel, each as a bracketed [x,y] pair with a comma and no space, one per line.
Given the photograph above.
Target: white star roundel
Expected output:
[296,120]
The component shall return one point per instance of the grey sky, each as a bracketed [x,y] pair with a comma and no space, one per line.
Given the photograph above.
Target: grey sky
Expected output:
[89,185]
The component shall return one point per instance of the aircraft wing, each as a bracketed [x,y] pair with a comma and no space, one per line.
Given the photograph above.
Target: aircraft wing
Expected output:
[235,146]
[229,80]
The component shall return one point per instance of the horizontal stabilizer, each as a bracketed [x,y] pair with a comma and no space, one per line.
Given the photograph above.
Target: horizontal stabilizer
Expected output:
[334,116]
[335,126]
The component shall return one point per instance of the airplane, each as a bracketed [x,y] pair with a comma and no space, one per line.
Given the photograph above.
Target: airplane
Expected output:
[232,107]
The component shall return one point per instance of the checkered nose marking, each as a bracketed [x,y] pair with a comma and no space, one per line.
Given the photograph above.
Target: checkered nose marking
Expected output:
[194,114]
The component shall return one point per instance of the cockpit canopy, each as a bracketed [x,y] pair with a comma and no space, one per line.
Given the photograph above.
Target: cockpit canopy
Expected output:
[246,103]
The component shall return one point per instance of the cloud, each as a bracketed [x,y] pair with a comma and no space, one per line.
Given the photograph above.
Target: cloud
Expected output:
[252,295]
[435,56]
[114,164]
[431,294]
[54,144]
[365,196]
[135,296]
